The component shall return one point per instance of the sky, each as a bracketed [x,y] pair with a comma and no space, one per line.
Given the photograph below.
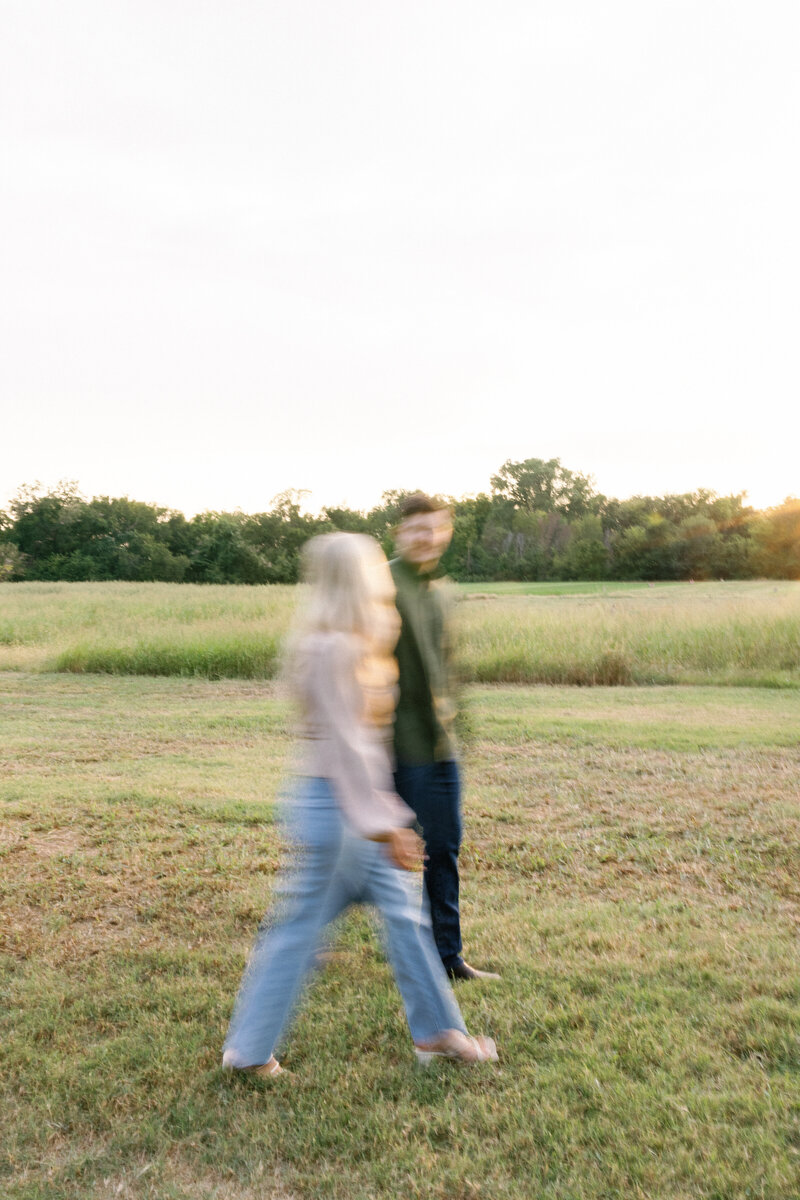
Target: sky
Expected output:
[352,247]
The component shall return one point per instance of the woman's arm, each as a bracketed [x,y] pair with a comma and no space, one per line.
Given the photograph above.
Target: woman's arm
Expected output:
[361,780]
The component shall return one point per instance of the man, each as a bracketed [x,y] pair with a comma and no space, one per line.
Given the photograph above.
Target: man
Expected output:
[427,775]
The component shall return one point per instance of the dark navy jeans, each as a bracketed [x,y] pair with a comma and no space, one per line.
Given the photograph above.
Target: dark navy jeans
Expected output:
[433,791]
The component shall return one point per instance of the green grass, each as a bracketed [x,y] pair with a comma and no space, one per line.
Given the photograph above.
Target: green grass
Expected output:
[631,866]
[564,588]
[744,634]
[144,628]
[250,655]
[728,634]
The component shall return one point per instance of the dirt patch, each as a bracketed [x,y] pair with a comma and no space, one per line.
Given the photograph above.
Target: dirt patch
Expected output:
[55,843]
[51,844]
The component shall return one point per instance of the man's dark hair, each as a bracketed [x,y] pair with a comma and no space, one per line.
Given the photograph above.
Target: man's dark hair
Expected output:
[419,502]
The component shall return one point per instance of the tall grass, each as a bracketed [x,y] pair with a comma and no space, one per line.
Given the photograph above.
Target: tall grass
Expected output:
[747,633]
[144,628]
[683,634]
[246,656]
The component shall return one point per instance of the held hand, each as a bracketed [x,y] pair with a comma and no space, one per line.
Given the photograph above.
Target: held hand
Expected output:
[405,849]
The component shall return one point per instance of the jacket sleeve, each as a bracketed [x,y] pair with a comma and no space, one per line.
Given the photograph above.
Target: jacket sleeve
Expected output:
[359,770]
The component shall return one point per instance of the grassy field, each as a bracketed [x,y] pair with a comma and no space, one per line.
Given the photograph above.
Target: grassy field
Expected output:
[590,633]
[144,628]
[631,866]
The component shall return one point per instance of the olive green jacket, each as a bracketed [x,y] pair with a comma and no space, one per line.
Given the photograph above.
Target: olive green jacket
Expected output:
[423,728]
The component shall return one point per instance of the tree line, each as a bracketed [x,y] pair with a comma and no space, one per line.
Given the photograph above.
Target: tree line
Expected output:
[540,521]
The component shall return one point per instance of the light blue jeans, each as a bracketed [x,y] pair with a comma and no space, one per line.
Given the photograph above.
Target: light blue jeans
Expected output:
[333,869]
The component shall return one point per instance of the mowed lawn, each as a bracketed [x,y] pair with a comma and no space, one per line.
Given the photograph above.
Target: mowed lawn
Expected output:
[631,865]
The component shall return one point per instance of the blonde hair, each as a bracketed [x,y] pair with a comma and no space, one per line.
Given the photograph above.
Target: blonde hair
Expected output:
[336,566]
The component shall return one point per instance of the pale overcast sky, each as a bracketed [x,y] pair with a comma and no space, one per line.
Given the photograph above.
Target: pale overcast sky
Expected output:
[358,245]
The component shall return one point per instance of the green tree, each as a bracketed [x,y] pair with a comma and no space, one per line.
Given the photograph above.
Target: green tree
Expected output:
[585,555]
[279,535]
[46,523]
[697,541]
[348,520]
[645,551]
[465,558]
[221,552]
[734,557]
[537,485]
[777,540]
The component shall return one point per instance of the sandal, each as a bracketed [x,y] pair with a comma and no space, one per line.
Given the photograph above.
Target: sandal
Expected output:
[267,1070]
[458,1047]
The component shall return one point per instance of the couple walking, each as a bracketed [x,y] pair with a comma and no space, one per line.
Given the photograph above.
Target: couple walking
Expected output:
[349,818]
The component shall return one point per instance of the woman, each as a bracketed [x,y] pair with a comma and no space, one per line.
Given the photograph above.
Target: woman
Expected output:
[351,829]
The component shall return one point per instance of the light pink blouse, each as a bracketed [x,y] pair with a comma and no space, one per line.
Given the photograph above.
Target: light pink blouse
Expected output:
[337,743]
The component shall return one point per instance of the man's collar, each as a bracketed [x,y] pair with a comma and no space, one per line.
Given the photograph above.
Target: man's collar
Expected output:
[412,572]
